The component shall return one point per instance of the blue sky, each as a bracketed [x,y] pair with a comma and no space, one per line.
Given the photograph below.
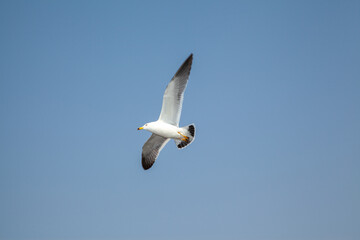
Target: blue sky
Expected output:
[274,94]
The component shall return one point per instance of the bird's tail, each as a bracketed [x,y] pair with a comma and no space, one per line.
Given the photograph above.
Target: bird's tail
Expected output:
[189,136]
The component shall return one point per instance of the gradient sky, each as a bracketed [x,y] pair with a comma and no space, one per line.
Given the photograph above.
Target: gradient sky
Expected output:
[274,92]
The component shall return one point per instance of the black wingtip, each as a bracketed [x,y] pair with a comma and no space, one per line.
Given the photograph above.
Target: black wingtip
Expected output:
[146,164]
[188,61]
[190,57]
[185,68]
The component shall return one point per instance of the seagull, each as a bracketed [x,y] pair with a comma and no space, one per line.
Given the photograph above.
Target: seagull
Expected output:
[167,126]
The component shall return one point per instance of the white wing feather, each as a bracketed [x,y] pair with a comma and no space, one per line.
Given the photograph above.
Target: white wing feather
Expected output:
[174,94]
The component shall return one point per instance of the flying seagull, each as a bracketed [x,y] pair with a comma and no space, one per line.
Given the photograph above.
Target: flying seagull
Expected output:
[167,126]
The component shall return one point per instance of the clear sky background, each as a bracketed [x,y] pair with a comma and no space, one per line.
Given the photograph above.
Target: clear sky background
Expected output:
[274,92]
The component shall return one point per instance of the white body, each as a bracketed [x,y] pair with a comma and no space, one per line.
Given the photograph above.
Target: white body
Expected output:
[164,129]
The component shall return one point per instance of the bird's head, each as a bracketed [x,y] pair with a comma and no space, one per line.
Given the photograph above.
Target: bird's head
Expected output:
[144,127]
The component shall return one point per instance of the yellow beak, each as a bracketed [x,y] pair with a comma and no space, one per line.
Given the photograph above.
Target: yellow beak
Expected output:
[140,128]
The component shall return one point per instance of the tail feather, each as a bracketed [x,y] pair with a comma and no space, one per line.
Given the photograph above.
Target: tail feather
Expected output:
[189,131]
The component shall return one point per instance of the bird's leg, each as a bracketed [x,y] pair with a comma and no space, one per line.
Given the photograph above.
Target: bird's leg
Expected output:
[186,139]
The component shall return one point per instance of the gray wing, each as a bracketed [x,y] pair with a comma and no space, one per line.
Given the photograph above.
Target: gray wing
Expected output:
[174,94]
[151,150]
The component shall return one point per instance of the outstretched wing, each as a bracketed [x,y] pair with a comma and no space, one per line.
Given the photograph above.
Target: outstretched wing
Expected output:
[174,94]
[151,150]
